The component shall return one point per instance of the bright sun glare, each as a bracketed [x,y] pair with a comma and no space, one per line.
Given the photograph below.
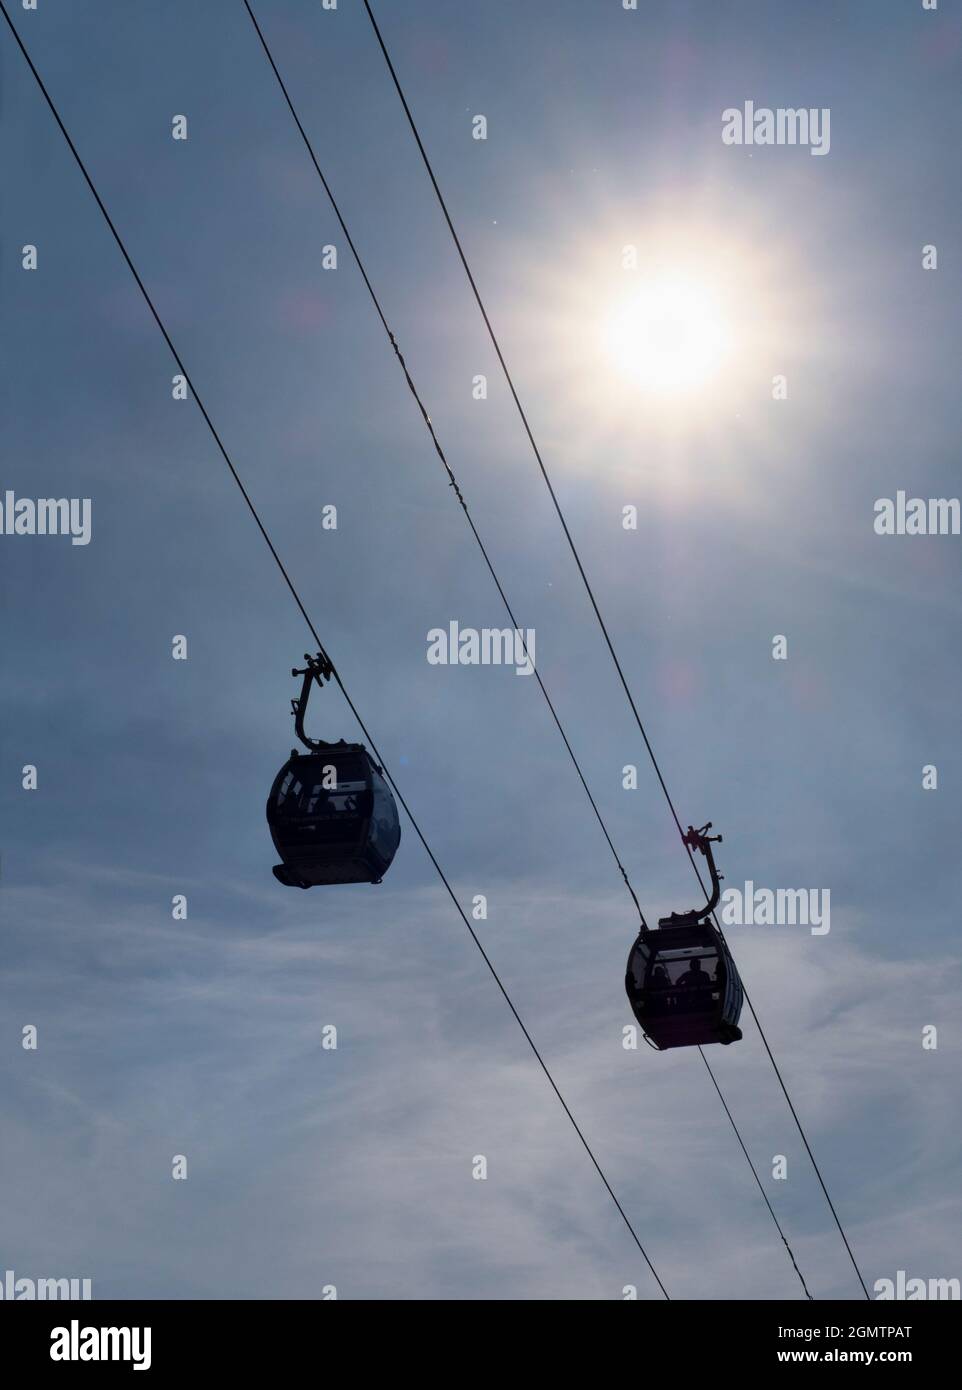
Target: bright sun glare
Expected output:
[670,335]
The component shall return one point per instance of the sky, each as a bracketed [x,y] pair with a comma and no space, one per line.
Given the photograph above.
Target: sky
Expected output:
[311,1168]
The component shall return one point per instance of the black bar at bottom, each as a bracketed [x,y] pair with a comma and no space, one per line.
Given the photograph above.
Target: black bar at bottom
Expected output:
[166,1339]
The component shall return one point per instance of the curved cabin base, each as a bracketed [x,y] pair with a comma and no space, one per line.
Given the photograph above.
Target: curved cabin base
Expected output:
[690,1032]
[308,873]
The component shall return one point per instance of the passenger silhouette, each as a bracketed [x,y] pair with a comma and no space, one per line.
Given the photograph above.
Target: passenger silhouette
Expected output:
[659,1001]
[695,975]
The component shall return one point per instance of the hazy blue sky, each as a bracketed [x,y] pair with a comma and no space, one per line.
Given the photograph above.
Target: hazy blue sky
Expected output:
[157,1037]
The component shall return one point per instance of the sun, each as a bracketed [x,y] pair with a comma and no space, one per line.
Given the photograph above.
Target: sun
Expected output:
[670,336]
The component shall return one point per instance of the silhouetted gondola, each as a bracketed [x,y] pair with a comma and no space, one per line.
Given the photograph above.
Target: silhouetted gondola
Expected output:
[331,813]
[682,983]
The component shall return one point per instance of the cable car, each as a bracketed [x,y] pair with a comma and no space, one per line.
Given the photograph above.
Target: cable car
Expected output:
[682,983]
[331,813]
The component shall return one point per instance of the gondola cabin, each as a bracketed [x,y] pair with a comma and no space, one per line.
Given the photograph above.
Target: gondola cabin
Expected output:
[331,813]
[681,981]
[683,987]
[332,818]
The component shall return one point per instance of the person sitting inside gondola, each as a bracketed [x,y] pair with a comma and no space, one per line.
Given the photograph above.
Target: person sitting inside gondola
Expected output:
[695,975]
[696,982]
[660,1000]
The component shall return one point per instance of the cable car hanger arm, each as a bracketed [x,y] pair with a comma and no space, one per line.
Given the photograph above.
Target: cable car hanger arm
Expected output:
[319,668]
[700,840]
